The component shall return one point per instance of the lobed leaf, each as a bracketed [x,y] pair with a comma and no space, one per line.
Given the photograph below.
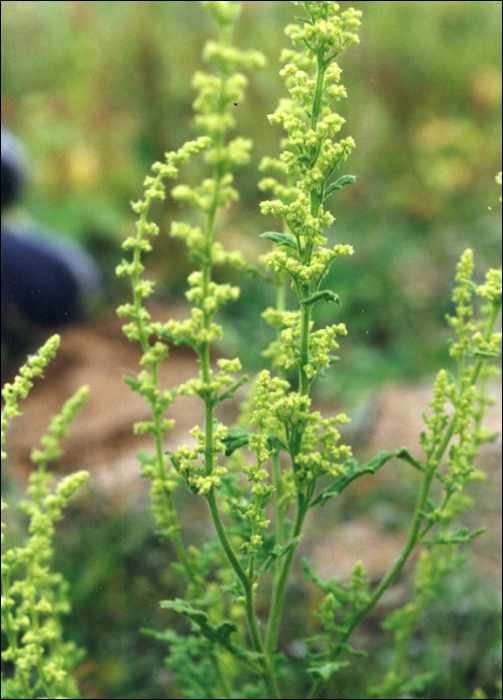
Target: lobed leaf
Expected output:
[353,471]
[339,184]
[325,295]
[281,239]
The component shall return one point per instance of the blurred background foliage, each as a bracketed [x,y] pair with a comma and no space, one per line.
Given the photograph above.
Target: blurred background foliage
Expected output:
[99,90]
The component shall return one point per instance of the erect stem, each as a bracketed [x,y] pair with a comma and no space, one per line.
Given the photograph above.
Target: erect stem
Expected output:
[283,575]
[209,441]
[318,90]
[305,322]
[282,580]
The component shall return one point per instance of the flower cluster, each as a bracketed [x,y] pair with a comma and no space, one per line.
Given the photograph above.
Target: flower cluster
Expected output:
[459,405]
[312,152]
[312,441]
[201,479]
[19,389]
[305,175]
[473,341]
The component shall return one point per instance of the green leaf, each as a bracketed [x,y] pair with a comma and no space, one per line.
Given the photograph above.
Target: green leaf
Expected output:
[236,438]
[167,533]
[339,184]
[311,575]
[219,634]
[177,339]
[469,283]
[331,586]
[357,653]
[275,444]
[304,20]
[354,471]
[174,460]
[239,437]
[324,672]
[276,553]
[460,537]
[198,257]
[483,354]
[281,239]
[325,295]
[133,383]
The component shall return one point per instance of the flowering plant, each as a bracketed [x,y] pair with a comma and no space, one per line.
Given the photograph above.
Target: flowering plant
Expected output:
[261,477]
[292,445]
[35,598]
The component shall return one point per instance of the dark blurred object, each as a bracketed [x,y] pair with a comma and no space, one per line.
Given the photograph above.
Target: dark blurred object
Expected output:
[45,283]
[13,169]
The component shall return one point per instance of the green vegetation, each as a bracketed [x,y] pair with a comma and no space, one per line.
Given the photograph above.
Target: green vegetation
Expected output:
[224,623]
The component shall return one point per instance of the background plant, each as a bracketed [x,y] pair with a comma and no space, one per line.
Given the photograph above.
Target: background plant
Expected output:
[36,660]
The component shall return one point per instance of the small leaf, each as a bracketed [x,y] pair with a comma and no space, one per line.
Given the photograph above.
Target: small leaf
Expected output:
[460,537]
[177,339]
[333,359]
[325,295]
[419,684]
[357,653]
[277,552]
[483,354]
[236,438]
[167,532]
[197,256]
[354,471]
[174,460]
[133,383]
[470,283]
[275,444]
[339,184]
[218,634]
[281,239]
[305,20]
[324,672]
[255,272]
[199,617]
[311,575]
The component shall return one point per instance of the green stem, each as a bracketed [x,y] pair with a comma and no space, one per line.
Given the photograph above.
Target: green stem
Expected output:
[268,672]
[276,477]
[305,322]
[318,91]
[204,357]
[304,386]
[281,583]
[175,535]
